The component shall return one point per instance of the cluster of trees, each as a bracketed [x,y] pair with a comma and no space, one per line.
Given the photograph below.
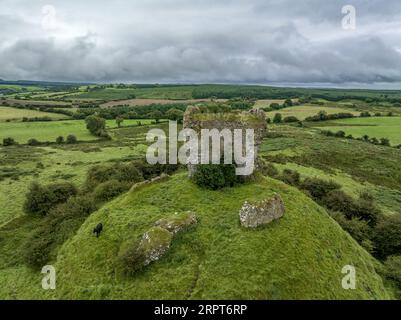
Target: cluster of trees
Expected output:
[276,106]
[160,111]
[70,139]
[366,114]
[9,142]
[154,111]
[323,116]
[63,207]
[278,118]
[341,134]
[96,126]
[46,118]
[247,92]
[216,176]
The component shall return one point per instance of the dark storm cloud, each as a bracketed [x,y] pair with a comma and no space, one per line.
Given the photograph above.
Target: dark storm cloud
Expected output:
[202,41]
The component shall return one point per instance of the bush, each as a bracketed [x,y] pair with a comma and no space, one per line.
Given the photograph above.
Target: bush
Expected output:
[337,200]
[392,272]
[268,169]
[95,124]
[99,174]
[132,260]
[215,176]
[358,229]
[290,177]
[319,188]
[36,250]
[109,190]
[71,139]
[328,133]
[78,206]
[290,119]
[150,171]
[59,225]
[40,199]
[365,209]
[385,142]
[60,140]
[277,118]
[129,173]
[288,103]
[174,114]
[33,142]
[387,236]
[340,134]
[8,142]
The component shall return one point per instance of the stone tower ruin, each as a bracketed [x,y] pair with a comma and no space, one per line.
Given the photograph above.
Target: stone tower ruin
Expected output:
[197,119]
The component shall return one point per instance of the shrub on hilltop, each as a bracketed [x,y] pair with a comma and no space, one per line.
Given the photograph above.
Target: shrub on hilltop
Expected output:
[41,198]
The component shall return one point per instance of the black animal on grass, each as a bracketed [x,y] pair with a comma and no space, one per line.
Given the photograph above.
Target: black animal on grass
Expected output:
[98,229]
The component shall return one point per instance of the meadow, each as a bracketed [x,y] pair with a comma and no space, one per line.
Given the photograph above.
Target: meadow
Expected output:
[304,111]
[12,114]
[108,94]
[374,127]
[48,131]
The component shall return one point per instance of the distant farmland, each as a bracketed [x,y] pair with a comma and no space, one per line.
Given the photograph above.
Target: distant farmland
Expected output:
[374,127]
[49,131]
[9,113]
[146,102]
[302,112]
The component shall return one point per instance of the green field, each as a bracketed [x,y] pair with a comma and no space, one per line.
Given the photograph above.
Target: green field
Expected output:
[302,112]
[107,94]
[50,130]
[377,127]
[8,113]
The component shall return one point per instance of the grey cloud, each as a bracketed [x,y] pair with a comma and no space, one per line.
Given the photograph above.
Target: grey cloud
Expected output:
[203,41]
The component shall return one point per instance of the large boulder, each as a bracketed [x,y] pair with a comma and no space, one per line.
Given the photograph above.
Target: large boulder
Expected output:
[154,244]
[177,222]
[261,213]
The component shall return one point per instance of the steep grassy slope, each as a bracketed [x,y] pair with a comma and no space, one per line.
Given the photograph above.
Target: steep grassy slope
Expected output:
[298,257]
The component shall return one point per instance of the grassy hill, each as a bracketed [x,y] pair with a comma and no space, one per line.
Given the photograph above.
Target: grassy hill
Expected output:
[299,257]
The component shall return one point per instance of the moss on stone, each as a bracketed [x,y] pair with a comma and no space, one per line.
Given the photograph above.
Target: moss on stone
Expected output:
[177,222]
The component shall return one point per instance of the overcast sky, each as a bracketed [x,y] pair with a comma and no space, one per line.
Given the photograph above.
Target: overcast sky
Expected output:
[294,42]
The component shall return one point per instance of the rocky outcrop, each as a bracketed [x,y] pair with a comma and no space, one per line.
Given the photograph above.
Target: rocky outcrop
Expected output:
[177,222]
[262,213]
[154,244]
